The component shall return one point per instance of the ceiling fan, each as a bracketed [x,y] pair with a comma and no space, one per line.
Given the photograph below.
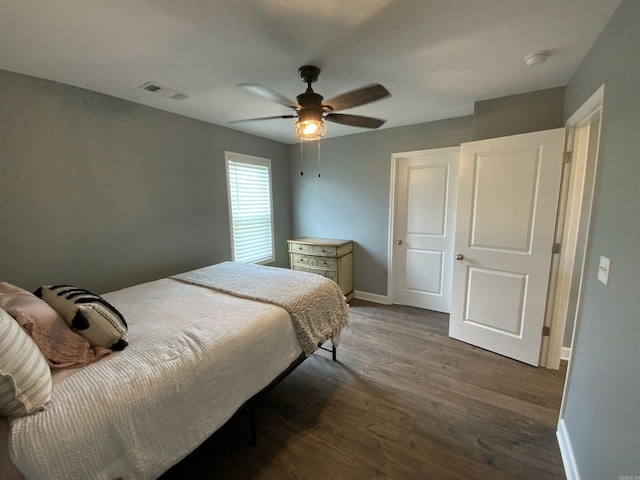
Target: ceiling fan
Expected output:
[311,110]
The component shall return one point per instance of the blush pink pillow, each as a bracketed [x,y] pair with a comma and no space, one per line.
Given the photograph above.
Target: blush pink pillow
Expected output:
[59,344]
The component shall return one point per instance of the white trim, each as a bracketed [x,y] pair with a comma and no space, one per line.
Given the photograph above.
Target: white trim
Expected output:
[588,108]
[566,451]
[392,227]
[557,312]
[565,353]
[372,297]
[595,104]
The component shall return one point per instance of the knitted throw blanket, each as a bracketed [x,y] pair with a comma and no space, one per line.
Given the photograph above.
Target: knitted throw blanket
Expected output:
[315,304]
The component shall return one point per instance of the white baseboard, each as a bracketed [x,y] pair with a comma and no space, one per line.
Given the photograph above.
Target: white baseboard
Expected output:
[372,297]
[566,450]
[565,353]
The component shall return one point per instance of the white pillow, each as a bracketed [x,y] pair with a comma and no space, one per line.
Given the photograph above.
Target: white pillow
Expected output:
[25,377]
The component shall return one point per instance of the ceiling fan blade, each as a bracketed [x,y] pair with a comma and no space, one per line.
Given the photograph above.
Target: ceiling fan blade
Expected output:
[354,120]
[268,94]
[263,118]
[358,97]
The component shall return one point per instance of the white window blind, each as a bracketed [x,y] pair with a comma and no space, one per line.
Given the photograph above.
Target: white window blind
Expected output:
[250,208]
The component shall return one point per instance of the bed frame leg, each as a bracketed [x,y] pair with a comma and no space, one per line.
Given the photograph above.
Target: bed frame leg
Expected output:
[333,350]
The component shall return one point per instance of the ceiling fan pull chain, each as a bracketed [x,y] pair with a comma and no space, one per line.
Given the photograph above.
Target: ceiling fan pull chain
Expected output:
[301,162]
[318,157]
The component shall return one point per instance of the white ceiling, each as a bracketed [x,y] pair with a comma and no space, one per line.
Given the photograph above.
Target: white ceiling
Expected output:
[436,57]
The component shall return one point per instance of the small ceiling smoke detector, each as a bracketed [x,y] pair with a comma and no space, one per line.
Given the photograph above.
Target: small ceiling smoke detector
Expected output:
[536,58]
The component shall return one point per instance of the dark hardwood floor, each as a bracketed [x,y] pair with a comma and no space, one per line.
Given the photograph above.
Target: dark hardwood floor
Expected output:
[403,401]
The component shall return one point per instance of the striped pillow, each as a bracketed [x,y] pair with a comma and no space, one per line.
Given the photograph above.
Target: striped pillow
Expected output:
[87,314]
[25,378]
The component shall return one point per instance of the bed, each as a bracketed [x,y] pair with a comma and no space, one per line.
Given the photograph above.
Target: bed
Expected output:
[201,345]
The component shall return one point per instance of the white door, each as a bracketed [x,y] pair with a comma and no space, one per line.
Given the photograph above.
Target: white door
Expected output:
[507,204]
[424,221]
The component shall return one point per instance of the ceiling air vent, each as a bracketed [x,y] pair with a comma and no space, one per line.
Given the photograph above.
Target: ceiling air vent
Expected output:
[161,91]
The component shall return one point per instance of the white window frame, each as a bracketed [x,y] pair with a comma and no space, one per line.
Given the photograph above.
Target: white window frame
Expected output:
[232,195]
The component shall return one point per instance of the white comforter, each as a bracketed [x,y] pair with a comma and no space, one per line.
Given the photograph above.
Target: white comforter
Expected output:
[316,305]
[135,413]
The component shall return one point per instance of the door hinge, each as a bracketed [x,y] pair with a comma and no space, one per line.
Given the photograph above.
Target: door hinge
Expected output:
[555,249]
[546,331]
[566,158]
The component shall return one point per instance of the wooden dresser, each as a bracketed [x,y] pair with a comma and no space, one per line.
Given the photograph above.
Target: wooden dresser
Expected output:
[324,256]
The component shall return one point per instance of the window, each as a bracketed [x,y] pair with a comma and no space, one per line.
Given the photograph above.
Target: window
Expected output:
[250,208]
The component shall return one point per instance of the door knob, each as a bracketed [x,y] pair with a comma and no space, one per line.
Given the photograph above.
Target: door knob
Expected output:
[398,242]
[459,256]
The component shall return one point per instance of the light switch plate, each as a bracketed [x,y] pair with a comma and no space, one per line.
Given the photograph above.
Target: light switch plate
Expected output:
[603,270]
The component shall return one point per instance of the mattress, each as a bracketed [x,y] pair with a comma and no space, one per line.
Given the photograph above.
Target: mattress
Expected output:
[191,362]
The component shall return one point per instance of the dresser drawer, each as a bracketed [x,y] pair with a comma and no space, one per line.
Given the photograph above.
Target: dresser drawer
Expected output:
[299,247]
[319,262]
[330,274]
[323,250]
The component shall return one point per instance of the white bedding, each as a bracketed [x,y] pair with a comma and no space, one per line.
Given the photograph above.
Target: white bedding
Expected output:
[135,413]
[316,305]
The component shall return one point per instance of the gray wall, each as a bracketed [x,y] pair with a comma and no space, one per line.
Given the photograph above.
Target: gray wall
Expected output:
[351,198]
[602,416]
[522,113]
[104,193]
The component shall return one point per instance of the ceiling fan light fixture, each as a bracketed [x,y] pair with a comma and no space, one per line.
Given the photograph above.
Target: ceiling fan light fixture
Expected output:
[310,129]
[312,111]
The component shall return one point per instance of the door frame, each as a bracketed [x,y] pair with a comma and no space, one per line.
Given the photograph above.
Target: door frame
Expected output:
[568,235]
[392,208]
